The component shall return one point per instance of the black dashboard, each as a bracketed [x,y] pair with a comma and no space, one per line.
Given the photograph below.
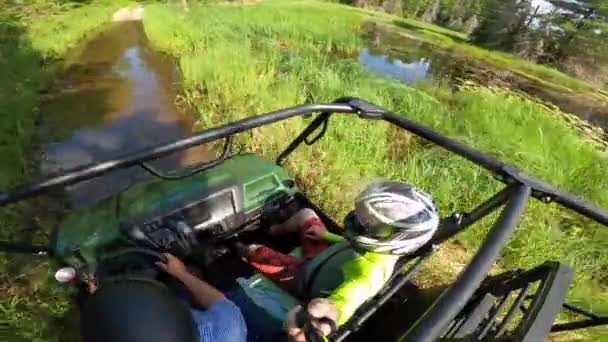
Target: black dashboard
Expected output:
[178,230]
[211,217]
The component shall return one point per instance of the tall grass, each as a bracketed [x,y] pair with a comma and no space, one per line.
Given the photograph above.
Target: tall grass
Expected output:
[241,60]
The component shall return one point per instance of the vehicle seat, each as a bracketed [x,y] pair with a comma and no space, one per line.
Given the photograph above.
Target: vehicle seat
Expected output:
[266,294]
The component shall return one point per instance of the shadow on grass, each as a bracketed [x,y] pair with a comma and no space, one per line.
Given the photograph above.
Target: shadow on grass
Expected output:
[73,130]
[22,315]
[32,309]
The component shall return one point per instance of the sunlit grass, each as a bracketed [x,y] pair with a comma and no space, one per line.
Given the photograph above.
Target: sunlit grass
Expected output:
[241,60]
[238,61]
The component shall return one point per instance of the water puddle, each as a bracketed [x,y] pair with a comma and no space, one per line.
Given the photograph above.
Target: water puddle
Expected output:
[385,66]
[117,96]
[392,55]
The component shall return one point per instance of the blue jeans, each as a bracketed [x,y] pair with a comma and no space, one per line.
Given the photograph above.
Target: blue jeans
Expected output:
[261,326]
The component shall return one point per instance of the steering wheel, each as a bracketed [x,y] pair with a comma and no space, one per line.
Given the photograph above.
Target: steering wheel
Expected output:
[106,270]
[133,250]
[276,210]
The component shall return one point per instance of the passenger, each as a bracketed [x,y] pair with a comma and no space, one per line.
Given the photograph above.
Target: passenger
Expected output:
[337,273]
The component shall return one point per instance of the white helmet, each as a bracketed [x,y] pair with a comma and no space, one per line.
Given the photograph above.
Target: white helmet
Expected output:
[392,218]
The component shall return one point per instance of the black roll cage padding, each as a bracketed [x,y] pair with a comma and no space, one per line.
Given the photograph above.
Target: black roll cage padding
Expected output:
[503,309]
[504,172]
[24,248]
[191,171]
[520,186]
[457,222]
[591,321]
[325,118]
[433,322]
[321,119]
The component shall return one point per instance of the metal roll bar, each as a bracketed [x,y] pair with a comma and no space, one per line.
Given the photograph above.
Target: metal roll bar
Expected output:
[505,172]
[432,324]
[520,186]
[148,154]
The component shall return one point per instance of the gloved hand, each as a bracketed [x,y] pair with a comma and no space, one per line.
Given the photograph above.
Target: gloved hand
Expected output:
[320,318]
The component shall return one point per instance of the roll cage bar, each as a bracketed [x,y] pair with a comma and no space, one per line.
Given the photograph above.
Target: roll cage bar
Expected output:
[434,322]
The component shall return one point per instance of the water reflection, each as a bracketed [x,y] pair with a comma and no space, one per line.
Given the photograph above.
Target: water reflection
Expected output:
[390,54]
[386,66]
[116,97]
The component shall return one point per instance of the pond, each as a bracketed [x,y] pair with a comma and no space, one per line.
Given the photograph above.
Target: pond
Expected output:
[116,96]
[389,54]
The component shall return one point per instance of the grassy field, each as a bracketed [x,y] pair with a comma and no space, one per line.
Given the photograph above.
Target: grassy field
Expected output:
[241,60]
[33,36]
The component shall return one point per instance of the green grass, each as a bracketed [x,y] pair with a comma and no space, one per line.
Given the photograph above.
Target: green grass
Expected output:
[241,60]
[33,36]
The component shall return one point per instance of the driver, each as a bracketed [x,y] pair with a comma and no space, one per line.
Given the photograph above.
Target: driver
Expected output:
[339,273]
[217,319]
[139,310]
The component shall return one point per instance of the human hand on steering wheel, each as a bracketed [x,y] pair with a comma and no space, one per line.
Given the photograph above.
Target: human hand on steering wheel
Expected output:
[319,320]
[173,266]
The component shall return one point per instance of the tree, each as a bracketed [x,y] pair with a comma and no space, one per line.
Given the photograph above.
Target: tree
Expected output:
[393,6]
[431,12]
[470,24]
[582,49]
[456,14]
[571,36]
[503,21]
[413,8]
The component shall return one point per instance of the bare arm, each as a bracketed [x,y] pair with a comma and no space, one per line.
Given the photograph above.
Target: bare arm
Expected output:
[204,293]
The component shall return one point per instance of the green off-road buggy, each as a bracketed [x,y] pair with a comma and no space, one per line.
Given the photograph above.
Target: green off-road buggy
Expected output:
[195,213]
